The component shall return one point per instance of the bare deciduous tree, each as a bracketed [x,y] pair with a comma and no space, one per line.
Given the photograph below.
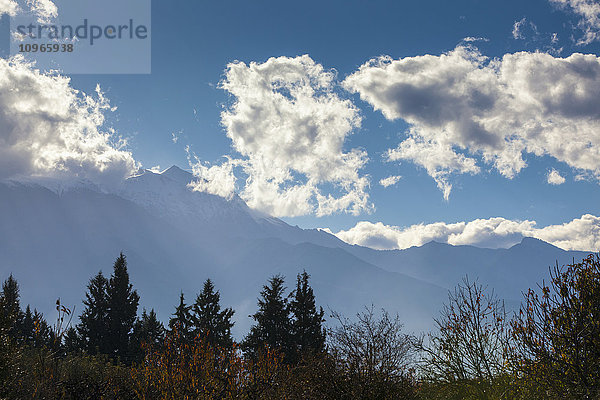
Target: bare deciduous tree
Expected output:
[375,354]
[467,354]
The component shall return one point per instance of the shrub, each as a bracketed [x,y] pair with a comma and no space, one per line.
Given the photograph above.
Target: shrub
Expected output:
[557,334]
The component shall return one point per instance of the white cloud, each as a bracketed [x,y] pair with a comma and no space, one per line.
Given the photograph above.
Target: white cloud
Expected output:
[289,126]
[523,29]
[589,12]
[45,10]
[517,31]
[438,159]
[555,178]
[579,234]
[9,7]
[583,176]
[48,128]
[470,39]
[465,109]
[216,179]
[390,180]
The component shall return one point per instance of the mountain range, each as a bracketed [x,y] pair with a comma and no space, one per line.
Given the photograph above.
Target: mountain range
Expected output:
[55,235]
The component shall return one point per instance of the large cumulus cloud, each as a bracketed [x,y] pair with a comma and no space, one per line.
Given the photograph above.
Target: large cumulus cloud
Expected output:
[47,128]
[579,234]
[289,126]
[466,110]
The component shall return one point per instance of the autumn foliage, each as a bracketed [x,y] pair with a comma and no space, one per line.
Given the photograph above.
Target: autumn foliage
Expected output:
[198,370]
[557,334]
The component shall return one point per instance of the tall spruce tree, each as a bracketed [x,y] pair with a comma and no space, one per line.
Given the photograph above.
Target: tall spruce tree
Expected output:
[123,302]
[94,327]
[27,327]
[10,292]
[33,329]
[147,331]
[180,323]
[12,305]
[308,333]
[273,326]
[209,321]
[72,341]
[7,324]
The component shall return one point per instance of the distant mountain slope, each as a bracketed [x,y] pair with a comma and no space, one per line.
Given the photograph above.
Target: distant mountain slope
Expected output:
[54,237]
[508,271]
[54,243]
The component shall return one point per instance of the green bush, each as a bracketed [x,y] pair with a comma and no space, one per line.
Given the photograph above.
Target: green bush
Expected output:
[40,373]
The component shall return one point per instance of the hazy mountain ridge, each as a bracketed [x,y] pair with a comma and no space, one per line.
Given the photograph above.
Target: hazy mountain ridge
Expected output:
[508,271]
[54,240]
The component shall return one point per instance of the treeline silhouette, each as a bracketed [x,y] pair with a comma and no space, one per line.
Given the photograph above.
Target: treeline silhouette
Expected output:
[549,349]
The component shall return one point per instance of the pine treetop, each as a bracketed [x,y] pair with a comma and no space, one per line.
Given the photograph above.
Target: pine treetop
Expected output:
[272,328]
[307,328]
[208,319]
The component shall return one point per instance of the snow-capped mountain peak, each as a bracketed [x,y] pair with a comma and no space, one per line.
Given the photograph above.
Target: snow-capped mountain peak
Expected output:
[178,175]
[167,193]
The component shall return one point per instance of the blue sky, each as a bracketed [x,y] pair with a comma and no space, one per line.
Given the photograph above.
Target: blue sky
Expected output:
[194,42]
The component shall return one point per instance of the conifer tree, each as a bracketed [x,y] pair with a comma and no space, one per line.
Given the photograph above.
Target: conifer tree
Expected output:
[27,327]
[10,292]
[93,328]
[147,330]
[43,334]
[181,322]
[209,321]
[273,326]
[307,329]
[72,340]
[6,346]
[32,329]
[123,302]
[12,307]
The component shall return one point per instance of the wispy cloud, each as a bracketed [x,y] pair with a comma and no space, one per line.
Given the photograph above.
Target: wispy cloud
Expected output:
[517,31]
[390,180]
[438,159]
[524,29]
[44,10]
[589,13]
[471,39]
[175,136]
